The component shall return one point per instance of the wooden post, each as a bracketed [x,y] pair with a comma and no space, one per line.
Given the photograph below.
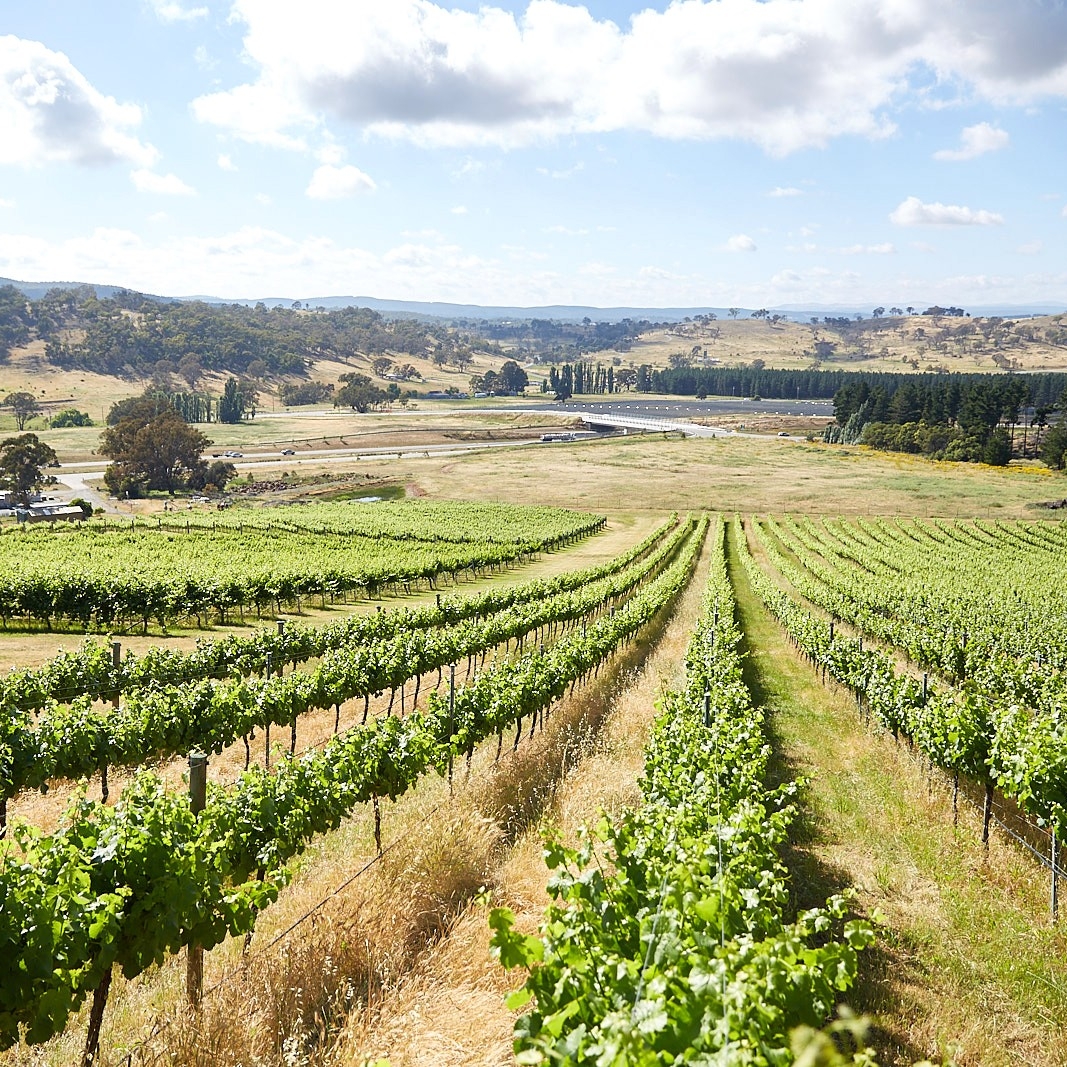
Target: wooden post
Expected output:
[266,744]
[451,719]
[116,663]
[707,708]
[194,961]
[1055,903]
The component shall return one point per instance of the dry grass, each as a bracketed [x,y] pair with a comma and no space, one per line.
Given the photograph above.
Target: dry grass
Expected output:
[745,474]
[893,343]
[280,1003]
[449,1011]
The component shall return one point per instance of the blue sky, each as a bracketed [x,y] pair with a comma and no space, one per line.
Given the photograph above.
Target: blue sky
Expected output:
[748,152]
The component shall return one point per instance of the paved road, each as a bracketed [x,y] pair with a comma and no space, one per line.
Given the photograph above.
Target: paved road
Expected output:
[627,404]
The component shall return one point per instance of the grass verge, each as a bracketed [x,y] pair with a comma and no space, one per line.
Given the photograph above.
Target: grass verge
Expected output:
[967,966]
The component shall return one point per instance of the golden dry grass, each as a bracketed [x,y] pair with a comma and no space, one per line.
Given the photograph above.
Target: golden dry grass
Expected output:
[427,1019]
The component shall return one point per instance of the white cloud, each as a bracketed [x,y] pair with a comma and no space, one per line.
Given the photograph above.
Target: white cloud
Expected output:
[147,181]
[779,191]
[784,74]
[171,11]
[560,175]
[225,163]
[886,248]
[459,209]
[1064,211]
[1031,248]
[49,113]
[337,183]
[254,262]
[975,141]
[567,231]
[5,203]
[740,242]
[330,153]
[263,199]
[913,212]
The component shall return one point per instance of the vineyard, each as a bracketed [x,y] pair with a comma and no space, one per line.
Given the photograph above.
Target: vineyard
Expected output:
[113,577]
[673,932]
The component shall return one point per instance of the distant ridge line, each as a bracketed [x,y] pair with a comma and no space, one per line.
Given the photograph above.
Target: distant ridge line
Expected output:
[559,312]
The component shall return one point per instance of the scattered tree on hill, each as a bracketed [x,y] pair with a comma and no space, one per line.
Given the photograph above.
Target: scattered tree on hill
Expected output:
[359,393]
[161,452]
[15,320]
[292,394]
[70,417]
[24,406]
[23,461]
[190,369]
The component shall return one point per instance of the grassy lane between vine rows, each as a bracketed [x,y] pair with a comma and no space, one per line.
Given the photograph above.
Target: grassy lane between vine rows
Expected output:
[449,1011]
[966,967]
[332,985]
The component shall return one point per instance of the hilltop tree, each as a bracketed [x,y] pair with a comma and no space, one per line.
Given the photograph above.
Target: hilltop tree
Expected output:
[22,464]
[24,406]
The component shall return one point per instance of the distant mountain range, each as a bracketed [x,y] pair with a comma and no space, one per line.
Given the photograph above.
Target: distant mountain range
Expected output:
[560,312]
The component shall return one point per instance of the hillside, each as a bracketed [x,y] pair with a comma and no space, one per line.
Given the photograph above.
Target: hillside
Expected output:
[71,348]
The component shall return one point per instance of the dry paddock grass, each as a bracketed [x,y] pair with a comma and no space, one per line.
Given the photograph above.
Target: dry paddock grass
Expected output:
[397,963]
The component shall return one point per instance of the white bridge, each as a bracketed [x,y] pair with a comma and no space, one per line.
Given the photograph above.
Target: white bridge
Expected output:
[647,425]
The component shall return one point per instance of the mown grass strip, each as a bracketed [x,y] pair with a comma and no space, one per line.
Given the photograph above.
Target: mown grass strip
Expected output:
[966,962]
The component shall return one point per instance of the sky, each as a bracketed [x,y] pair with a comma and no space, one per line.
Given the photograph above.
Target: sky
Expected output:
[700,153]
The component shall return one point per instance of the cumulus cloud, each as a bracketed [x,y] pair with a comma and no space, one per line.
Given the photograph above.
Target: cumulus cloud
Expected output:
[913,212]
[1031,248]
[785,74]
[886,248]
[779,191]
[460,209]
[975,141]
[338,183]
[740,242]
[49,113]
[225,163]
[171,11]
[147,181]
